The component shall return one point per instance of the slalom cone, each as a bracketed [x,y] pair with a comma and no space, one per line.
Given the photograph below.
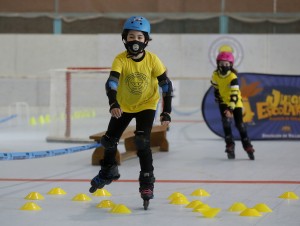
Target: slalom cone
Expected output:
[106,204]
[81,198]
[41,120]
[179,201]
[201,208]
[193,204]
[262,208]
[101,192]
[30,206]
[87,114]
[34,196]
[76,115]
[175,195]
[32,121]
[200,192]
[250,212]
[289,195]
[47,119]
[62,116]
[211,213]
[237,207]
[120,209]
[56,191]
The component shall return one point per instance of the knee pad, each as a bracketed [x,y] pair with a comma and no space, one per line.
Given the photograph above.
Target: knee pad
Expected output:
[109,142]
[141,142]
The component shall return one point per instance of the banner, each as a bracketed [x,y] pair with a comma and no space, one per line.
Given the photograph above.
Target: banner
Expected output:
[271,107]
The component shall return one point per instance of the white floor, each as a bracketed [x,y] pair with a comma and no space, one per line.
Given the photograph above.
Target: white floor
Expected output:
[196,160]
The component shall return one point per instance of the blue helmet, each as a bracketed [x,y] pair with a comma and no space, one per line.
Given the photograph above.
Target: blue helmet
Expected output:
[137,23]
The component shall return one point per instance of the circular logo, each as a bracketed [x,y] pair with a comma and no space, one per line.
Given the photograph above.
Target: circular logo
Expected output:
[137,83]
[136,47]
[226,44]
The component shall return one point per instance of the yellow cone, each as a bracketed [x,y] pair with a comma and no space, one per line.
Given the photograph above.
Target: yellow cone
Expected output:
[289,195]
[56,191]
[250,212]
[200,192]
[30,206]
[47,118]
[34,196]
[32,121]
[106,204]
[82,198]
[180,201]
[237,207]
[201,208]
[175,195]
[101,192]
[262,207]
[193,204]
[120,209]
[210,213]
[41,120]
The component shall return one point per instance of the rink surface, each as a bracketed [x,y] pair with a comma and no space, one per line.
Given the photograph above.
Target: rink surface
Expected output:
[196,160]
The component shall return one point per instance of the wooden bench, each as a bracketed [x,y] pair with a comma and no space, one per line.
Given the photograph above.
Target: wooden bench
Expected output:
[158,142]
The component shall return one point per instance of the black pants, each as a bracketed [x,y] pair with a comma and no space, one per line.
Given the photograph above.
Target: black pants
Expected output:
[144,123]
[239,124]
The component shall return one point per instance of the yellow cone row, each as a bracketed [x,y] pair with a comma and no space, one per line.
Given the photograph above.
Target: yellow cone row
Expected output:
[176,198]
[46,119]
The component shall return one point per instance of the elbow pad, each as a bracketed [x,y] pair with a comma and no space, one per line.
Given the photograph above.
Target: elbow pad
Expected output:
[233,100]
[111,86]
[166,85]
[112,82]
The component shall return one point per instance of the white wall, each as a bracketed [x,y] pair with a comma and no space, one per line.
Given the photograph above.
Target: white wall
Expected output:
[24,59]
[184,55]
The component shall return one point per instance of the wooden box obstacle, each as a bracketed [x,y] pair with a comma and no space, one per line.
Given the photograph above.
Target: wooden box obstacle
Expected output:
[158,142]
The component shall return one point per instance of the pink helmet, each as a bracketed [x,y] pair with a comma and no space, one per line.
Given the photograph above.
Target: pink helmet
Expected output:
[225,56]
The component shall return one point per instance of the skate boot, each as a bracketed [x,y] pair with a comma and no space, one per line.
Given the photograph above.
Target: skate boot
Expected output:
[106,175]
[147,180]
[230,151]
[250,151]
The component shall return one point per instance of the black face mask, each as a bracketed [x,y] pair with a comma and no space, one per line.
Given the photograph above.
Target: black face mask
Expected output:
[224,69]
[135,47]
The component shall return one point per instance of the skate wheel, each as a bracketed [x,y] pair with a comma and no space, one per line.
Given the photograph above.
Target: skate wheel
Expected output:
[251,156]
[93,189]
[230,155]
[146,204]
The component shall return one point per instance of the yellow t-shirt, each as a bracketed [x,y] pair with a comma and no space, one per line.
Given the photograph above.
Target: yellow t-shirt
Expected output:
[223,84]
[138,88]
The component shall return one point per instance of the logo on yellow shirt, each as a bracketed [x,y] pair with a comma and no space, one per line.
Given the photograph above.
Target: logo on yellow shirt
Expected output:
[137,83]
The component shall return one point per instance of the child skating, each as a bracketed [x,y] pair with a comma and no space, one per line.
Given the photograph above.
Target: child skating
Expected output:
[133,92]
[228,96]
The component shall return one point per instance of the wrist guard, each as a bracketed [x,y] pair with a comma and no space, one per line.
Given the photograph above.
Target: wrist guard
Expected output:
[165,117]
[114,105]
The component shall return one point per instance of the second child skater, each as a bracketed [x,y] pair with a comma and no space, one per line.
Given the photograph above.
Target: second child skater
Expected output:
[133,92]
[228,96]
